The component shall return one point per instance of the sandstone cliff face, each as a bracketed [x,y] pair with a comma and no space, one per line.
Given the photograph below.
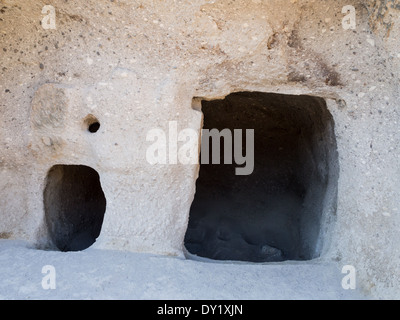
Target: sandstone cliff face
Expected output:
[132,66]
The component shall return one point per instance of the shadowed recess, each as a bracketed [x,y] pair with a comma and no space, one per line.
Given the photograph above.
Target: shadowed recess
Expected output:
[284,209]
[74,206]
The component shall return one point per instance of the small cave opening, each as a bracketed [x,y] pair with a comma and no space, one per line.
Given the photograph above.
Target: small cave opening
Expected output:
[91,123]
[285,208]
[94,127]
[74,205]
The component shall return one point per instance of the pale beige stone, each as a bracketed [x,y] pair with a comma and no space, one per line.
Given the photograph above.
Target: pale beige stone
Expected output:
[136,65]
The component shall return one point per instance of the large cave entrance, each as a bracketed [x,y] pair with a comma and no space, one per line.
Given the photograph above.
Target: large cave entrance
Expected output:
[284,208]
[74,205]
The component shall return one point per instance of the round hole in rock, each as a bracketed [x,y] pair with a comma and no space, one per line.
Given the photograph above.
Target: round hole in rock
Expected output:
[284,209]
[94,127]
[74,205]
[91,123]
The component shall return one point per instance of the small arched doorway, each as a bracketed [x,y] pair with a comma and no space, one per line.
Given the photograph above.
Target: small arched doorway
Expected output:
[74,205]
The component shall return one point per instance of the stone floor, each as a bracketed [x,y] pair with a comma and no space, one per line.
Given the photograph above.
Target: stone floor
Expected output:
[101,274]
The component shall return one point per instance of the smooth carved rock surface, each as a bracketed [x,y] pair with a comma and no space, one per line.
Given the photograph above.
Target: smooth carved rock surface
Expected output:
[49,107]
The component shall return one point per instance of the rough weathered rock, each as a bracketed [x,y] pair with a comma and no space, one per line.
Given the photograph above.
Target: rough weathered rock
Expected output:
[136,65]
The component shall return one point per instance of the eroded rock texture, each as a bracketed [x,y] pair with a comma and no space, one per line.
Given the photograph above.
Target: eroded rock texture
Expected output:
[134,66]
